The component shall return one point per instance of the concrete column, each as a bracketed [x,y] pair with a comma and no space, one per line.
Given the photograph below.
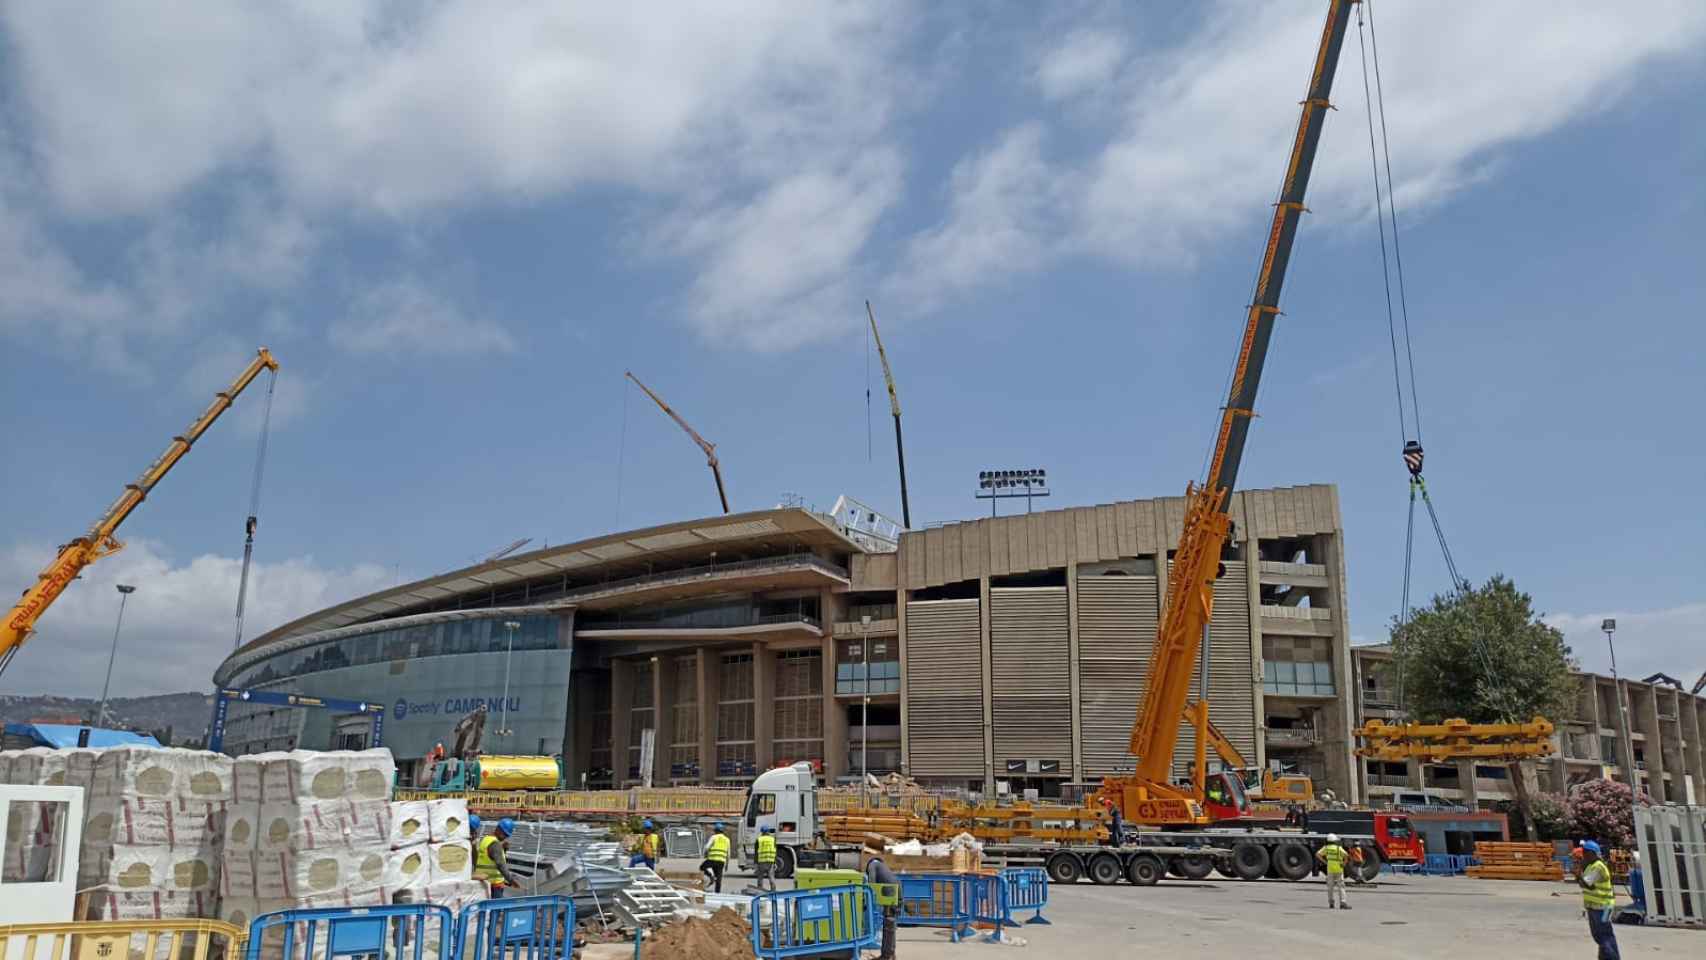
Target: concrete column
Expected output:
[621,715]
[1652,753]
[985,649]
[834,719]
[1466,782]
[763,706]
[1073,681]
[1413,774]
[577,753]
[709,675]
[663,717]
[900,621]
[1251,549]
[1337,743]
[1688,715]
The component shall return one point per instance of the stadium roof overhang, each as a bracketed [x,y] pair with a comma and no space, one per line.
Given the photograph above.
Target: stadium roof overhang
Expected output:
[730,539]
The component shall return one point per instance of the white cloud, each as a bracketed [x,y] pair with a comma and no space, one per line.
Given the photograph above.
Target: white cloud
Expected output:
[1003,218]
[1670,640]
[1192,145]
[216,361]
[44,294]
[1084,62]
[403,315]
[177,626]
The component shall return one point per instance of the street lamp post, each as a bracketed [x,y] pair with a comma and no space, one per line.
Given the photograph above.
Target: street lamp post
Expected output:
[124,592]
[865,709]
[511,626]
[1609,625]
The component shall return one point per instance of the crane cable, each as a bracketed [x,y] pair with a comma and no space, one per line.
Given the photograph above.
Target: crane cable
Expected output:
[254,504]
[1386,211]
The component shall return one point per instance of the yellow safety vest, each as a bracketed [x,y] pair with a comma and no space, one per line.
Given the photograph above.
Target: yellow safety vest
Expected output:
[1600,895]
[1335,856]
[485,866]
[766,849]
[718,849]
[649,846]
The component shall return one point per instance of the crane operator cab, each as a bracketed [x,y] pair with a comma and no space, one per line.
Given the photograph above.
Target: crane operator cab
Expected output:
[1224,796]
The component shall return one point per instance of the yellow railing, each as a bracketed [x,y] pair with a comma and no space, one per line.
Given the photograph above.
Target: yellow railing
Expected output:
[117,940]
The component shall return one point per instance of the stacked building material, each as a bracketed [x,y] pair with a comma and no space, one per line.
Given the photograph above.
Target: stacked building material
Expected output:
[852,825]
[1515,861]
[154,827]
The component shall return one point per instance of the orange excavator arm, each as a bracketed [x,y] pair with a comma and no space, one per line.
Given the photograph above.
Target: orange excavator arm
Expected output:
[705,445]
[99,541]
[1148,795]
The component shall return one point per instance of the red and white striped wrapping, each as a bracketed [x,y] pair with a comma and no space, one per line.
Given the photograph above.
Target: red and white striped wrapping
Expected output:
[134,821]
[293,875]
[111,903]
[315,776]
[318,826]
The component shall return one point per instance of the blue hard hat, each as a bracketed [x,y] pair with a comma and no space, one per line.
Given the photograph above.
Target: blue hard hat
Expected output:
[769,829]
[646,824]
[717,826]
[1592,847]
[473,824]
[506,826]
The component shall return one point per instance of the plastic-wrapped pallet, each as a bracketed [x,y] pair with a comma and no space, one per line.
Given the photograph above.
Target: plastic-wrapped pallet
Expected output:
[134,821]
[110,903]
[305,776]
[242,826]
[156,822]
[410,823]
[324,824]
[449,819]
[451,861]
[156,772]
[293,875]
[407,869]
[237,874]
[247,773]
[164,869]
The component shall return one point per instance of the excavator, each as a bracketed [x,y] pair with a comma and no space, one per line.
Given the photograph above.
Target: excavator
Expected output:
[1148,796]
[100,541]
[705,445]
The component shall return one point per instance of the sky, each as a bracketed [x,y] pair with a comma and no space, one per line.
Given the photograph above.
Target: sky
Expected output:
[457,224]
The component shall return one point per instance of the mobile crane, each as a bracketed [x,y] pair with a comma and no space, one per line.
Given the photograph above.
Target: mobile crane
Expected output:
[1148,796]
[705,445]
[894,410]
[99,541]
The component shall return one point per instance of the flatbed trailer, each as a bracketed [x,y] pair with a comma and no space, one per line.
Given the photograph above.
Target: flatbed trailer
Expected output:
[1188,855]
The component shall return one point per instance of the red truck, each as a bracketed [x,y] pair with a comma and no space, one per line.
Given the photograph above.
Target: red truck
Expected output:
[1392,832]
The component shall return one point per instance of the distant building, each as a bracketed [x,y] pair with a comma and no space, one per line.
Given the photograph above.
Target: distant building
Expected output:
[1668,727]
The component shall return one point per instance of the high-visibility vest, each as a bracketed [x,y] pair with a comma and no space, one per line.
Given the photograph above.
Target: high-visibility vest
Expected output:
[485,865]
[1600,895]
[649,846]
[766,849]
[1335,856]
[717,851]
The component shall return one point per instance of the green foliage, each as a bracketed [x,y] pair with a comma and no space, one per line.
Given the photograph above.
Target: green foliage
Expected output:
[1550,815]
[1525,672]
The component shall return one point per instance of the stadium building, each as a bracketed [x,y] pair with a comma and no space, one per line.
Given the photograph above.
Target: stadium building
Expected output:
[1001,652]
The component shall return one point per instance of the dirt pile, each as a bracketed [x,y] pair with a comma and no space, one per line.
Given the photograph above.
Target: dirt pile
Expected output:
[723,937]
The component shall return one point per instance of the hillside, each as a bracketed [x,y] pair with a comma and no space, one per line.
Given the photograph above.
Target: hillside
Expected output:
[185,713]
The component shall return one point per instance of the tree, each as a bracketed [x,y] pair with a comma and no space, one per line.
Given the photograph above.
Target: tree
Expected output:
[1481,653]
[1600,810]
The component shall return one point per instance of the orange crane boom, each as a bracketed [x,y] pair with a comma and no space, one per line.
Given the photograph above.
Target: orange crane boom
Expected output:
[705,445]
[1148,795]
[99,541]
[894,411]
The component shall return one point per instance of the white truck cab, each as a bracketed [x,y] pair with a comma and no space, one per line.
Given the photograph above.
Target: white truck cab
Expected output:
[784,798]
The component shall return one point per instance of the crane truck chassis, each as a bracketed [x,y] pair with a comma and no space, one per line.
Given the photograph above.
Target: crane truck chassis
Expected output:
[786,798]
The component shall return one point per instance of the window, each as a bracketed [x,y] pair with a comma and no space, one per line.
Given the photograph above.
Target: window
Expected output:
[1285,678]
[1398,828]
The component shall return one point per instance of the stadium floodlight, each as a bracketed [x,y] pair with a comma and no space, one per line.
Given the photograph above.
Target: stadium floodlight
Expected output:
[993,485]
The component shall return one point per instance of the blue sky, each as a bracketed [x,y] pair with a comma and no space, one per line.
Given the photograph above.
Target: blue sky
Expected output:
[457,228]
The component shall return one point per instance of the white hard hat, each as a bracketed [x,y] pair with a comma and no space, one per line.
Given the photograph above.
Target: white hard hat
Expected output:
[1332,838]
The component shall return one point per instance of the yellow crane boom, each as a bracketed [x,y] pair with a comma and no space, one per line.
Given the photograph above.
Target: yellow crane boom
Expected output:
[894,409]
[705,445]
[99,541]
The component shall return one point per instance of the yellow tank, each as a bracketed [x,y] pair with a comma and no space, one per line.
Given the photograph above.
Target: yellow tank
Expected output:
[518,773]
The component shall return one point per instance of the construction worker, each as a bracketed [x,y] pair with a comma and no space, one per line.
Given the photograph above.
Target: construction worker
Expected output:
[1597,898]
[1334,856]
[876,871]
[764,855]
[1116,825]
[490,864]
[716,857]
[646,855]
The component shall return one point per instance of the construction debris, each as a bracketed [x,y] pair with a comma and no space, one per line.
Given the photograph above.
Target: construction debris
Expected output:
[725,936]
[648,900]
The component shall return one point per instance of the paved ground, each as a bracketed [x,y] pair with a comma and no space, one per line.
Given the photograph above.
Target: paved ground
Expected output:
[1399,917]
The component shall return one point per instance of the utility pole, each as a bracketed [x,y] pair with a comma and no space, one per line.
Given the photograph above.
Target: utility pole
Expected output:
[865,709]
[1609,625]
[124,592]
[511,626]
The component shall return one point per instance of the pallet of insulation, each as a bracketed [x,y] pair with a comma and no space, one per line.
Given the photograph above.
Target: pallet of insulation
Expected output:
[1515,861]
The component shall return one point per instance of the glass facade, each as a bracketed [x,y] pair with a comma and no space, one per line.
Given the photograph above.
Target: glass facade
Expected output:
[705,616]
[850,678]
[403,643]
[1286,679]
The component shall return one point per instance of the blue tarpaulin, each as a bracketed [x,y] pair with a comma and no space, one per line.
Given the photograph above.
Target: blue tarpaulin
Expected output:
[66,735]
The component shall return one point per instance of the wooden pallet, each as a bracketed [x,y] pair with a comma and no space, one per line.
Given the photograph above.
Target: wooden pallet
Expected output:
[1515,861]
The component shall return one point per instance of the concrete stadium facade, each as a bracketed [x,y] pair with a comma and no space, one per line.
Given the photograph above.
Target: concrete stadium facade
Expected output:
[1005,651]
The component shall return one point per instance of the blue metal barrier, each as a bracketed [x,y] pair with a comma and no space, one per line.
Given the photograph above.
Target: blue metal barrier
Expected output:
[936,900]
[522,928]
[989,904]
[1401,868]
[811,922]
[1027,889]
[1447,864]
[398,932]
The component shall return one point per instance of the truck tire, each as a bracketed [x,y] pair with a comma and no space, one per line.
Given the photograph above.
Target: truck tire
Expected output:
[1065,868]
[1105,869]
[1293,861]
[784,863]
[1145,870]
[1191,866]
[1249,861]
